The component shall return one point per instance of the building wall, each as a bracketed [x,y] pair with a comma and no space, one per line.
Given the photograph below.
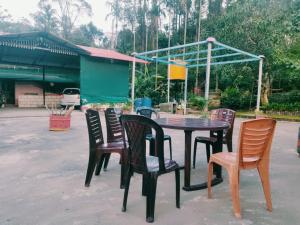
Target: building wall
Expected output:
[27,88]
[30,95]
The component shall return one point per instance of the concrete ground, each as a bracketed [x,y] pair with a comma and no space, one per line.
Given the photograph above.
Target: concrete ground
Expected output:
[42,177]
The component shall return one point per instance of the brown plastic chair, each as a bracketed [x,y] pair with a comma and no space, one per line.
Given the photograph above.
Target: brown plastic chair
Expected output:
[114,132]
[146,111]
[226,115]
[254,147]
[150,167]
[99,149]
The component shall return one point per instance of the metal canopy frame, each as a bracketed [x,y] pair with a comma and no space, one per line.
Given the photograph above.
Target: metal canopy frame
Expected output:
[216,53]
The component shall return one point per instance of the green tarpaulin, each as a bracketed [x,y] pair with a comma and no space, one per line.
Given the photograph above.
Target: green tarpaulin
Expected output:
[27,73]
[103,81]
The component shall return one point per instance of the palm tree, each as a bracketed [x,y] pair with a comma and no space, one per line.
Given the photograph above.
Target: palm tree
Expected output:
[116,15]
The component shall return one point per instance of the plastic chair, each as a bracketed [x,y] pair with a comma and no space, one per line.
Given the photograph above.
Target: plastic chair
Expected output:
[98,149]
[114,131]
[254,147]
[149,166]
[226,115]
[147,112]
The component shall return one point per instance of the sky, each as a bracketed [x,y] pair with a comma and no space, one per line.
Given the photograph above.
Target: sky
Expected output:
[22,8]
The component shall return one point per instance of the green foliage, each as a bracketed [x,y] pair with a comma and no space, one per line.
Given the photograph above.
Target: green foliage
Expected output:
[230,98]
[288,97]
[45,18]
[197,101]
[124,45]
[89,35]
[235,99]
[145,87]
[281,107]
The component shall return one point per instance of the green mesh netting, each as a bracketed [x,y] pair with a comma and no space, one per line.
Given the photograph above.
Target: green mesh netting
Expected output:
[103,81]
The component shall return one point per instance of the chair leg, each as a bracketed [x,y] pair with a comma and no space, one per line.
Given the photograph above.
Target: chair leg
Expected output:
[264,177]
[207,152]
[90,169]
[151,195]
[170,146]
[145,185]
[106,160]
[177,178]
[235,192]
[124,168]
[209,178]
[194,155]
[127,184]
[99,165]
[229,145]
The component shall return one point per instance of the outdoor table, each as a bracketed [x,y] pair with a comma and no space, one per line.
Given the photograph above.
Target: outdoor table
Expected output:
[188,125]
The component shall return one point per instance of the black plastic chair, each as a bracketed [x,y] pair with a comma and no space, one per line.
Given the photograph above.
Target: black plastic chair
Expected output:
[113,129]
[226,115]
[147,112]
[150,167]
[98,149]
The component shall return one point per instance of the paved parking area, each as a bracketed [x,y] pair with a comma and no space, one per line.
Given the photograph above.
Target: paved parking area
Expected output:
[42,180]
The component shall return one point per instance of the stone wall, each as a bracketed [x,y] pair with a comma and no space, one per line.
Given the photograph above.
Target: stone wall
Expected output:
[35,101]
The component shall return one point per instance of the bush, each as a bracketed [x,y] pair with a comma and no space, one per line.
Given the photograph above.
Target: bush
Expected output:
[233,98]
[290,107]
[197,102]
[283,98]
[230,98]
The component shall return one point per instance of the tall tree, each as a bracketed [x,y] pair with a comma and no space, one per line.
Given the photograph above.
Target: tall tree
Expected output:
[89,34]
[45,18]
[69,12]
[116,15]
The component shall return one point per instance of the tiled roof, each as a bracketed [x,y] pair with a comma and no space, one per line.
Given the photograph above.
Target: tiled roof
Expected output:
[111,54]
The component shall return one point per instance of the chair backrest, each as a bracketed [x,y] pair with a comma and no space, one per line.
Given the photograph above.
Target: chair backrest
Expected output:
[94,128]
[226,115]
[255,141]
[147,112]
[113,126]
[136,127]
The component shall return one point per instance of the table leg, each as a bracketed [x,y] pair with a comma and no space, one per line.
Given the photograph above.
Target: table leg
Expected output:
[187,163]
[187,159]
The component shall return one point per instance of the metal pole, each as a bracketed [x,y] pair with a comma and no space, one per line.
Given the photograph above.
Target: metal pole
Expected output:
[260,72]
[44,94]
[185,90]
[209,46]
[132,84]
[169,43]
[198,47]
[169,82]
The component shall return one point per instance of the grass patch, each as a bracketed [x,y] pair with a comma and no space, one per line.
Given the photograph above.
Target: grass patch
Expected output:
[249,114]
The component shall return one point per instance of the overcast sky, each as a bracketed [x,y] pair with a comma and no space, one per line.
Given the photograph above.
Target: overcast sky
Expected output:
[23,8]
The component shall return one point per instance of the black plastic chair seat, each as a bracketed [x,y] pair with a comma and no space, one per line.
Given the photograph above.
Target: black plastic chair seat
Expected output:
[153,164]
[112,146]
[206,139]
[151,136]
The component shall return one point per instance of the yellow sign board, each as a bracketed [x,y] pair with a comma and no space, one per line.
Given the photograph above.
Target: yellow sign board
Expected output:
[177,72]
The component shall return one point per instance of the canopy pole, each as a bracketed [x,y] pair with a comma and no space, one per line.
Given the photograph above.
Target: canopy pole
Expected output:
[185,90]
[260,72]
[209,47]
[44,95]
[169,82]
[132,84]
